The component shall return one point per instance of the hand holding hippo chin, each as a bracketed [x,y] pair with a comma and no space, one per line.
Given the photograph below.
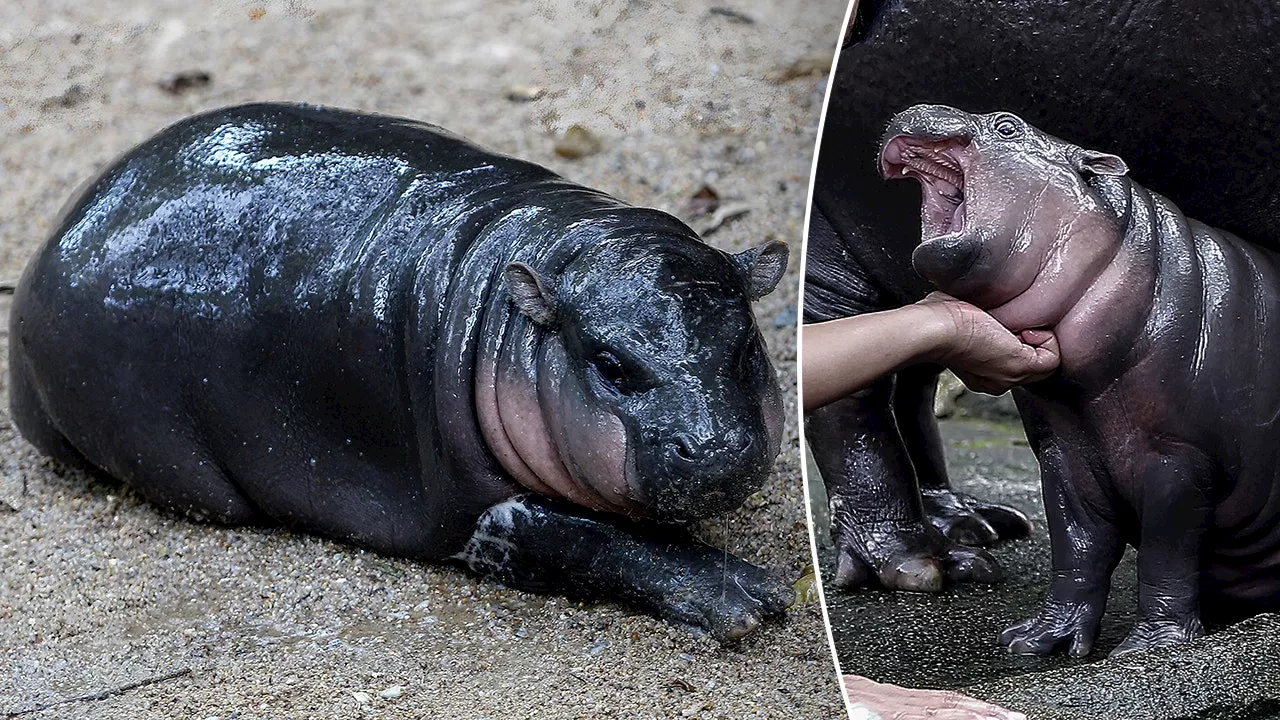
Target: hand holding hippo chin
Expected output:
[1160,428]
[985,355]
[370,329]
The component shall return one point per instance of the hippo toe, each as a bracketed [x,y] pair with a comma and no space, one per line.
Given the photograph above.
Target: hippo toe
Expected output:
[967,520]
[914,557]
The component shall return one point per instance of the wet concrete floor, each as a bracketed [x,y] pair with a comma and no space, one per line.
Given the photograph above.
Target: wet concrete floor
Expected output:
[948,640]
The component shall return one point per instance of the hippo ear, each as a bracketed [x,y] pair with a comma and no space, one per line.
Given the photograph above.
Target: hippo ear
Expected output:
[762,266]
[531,293]
[1100,163]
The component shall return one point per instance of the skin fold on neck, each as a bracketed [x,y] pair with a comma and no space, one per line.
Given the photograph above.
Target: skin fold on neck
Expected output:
[1095,280]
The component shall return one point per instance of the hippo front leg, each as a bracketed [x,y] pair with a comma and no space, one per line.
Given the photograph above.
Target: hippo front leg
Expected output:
[877,522]
[1086,547]
[1176,511]
[961,517]
[543,545]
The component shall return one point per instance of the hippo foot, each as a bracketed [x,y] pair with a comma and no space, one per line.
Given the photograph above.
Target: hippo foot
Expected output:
[540,544]
[1056,623]
[727,597]
[969,521]
[1151,634]
[910,556]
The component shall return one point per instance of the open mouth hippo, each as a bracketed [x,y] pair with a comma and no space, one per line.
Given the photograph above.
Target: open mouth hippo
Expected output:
[1160,430]
[368,328]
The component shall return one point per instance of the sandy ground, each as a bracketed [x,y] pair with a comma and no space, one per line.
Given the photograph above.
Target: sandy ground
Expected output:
[948,640]
[99,590]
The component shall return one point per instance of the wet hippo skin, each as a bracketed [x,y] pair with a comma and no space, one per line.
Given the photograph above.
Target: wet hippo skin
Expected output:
[1159,430]
[368,328]
[1162,84]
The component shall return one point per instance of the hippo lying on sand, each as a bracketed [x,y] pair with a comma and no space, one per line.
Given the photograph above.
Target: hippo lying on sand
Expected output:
[368,328]
[1161,429]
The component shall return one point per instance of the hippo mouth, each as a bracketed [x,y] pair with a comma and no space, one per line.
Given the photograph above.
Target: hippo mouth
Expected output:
[936,164]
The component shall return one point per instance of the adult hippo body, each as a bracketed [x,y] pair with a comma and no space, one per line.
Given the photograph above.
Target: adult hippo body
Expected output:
[1160,429]
[368,328]
[1159,83]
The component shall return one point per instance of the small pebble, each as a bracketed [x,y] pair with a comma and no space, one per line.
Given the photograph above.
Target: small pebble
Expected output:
[817,62]
[392,692]
[577,142]
[523,93]
[179,83]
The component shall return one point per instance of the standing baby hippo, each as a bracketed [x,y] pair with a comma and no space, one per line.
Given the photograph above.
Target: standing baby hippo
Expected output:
[368,328]
[1161,429]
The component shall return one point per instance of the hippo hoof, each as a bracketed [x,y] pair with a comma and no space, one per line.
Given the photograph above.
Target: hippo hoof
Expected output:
[1158,633]
[970,521]
[919,559]
[1057,623]
[730,599]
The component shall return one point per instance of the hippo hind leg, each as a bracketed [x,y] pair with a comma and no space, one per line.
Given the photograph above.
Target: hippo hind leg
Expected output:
[189,480]
[33,422]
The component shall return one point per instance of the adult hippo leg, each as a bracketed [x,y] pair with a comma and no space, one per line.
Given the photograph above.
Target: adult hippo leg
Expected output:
[1086,543]
[961,517]
[877,522]
[545,545]
[1175,513]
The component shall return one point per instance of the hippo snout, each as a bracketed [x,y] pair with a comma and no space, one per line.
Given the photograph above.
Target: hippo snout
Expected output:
[687,453]
[690,479]
[929,122]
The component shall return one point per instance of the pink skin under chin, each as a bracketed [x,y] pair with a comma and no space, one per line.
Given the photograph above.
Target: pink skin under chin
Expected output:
[589,439]
[526,424]
[524,428]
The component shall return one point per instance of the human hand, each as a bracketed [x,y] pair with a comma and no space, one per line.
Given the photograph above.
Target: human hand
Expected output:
[871,700]
[984,354]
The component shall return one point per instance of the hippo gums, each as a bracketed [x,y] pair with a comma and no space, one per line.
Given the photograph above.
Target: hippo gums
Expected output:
[1161,429]
[368,328]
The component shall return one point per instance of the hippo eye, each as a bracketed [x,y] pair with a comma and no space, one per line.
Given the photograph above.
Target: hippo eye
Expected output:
[1007,126]
[610,369]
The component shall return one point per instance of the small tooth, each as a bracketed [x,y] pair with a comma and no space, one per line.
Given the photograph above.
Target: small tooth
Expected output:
[904,169]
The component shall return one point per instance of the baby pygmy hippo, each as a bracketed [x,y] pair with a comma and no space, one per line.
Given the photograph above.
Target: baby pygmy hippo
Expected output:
[1160,430]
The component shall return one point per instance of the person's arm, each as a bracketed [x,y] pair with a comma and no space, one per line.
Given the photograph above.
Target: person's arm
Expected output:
[843,356]
[870,700]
